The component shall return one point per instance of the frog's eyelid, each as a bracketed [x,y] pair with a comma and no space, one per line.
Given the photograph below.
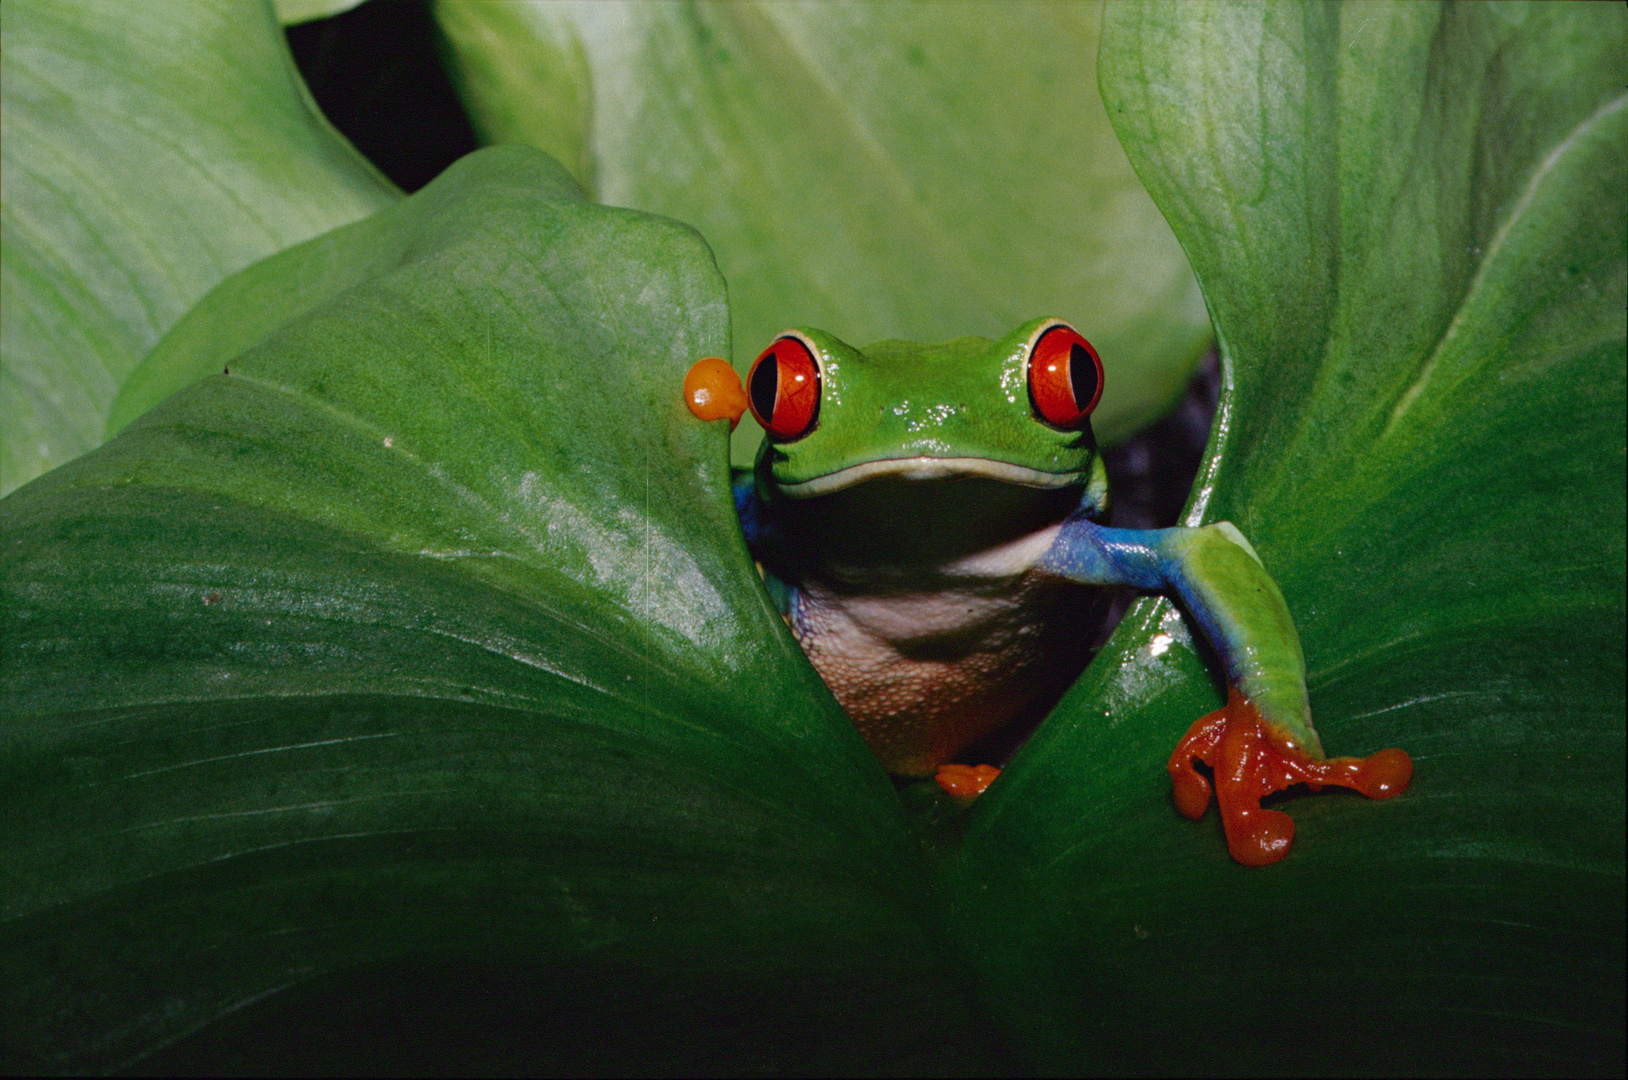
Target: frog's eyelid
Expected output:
[1045,328]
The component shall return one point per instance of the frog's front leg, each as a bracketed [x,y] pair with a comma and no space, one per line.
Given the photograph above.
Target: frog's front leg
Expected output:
[1262,740]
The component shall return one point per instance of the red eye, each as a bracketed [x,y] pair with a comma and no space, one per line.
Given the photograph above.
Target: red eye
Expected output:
[1065,378]
[784,389]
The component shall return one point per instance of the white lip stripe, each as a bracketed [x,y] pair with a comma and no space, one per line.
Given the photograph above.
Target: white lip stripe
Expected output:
[930,468]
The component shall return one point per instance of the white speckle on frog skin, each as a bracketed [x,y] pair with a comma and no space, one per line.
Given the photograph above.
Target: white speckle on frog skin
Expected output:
[1015,375]
[935,417]
[929,418]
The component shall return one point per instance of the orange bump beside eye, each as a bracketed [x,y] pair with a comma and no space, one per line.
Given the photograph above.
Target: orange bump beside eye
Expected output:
[712,390]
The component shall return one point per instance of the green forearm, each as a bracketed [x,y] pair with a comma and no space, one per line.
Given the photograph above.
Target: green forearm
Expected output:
[1224,586]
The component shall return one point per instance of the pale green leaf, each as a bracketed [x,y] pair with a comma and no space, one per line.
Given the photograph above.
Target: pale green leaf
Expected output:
[150,150]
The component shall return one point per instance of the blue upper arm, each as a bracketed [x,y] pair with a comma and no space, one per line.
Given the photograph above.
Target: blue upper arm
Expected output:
[1094,554]
[758,526]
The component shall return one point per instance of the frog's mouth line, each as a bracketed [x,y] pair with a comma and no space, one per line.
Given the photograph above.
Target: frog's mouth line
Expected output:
[929,468]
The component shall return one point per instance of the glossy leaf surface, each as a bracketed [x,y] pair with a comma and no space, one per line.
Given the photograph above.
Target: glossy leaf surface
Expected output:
[151,150]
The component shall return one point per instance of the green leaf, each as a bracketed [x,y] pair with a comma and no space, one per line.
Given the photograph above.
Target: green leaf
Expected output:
[916,171]
[290,12]
[438,596]
[151,150]
[1408,221]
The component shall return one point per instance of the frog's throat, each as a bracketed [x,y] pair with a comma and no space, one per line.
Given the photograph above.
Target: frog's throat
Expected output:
[928,468]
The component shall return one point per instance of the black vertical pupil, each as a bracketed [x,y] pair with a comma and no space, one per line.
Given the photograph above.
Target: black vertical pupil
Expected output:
[765,385]
[1082,375]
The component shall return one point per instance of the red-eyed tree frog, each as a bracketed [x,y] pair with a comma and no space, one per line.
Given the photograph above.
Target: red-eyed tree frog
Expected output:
[925,517]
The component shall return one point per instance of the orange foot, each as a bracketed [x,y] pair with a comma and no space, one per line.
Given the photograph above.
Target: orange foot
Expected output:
[963,783]
[1249,764]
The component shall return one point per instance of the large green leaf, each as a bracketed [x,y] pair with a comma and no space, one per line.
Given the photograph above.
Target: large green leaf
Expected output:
[424,641]
[909,170]
[151,149]
[1408,221]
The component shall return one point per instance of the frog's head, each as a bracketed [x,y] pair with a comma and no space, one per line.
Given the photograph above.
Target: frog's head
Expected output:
[1016,410]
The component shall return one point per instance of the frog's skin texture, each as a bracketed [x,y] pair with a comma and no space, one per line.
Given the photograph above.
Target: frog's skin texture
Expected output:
[926,519]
